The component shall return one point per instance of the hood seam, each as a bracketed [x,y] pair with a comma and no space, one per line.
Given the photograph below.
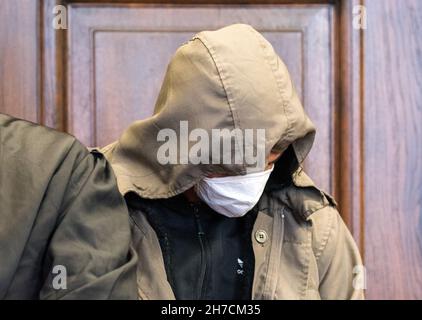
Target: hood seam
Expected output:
[223,77]
[282,98]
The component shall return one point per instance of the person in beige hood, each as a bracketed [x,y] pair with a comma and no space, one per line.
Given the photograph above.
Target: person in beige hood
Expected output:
[241,219]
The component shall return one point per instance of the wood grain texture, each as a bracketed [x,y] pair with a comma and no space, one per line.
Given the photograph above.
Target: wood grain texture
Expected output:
[53,85]
[393,149]
[118,56]
[19,76]
[349,81]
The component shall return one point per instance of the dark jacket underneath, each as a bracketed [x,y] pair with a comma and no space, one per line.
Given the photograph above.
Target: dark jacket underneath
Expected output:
[59,207]
[206,255]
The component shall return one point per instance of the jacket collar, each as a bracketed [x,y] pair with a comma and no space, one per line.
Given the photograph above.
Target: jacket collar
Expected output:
[302,197]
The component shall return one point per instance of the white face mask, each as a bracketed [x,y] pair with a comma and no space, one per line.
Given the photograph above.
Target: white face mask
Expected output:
[233,196]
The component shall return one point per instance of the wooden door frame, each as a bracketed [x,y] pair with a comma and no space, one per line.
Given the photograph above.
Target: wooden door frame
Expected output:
[348,66]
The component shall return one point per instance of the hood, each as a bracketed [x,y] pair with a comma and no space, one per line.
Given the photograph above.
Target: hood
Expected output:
[230,78]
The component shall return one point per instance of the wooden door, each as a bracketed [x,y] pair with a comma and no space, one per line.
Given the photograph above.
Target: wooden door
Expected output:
[104,71]
[115,57]
[118,56]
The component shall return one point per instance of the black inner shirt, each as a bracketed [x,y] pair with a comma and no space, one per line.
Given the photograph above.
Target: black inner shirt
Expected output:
[206,255]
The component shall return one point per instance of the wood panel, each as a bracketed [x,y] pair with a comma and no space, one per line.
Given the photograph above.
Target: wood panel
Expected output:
[19,76]
[393,149]
[118,56]
[53,47]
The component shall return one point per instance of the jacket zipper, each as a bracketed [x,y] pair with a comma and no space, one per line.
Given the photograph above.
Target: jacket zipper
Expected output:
[201,238]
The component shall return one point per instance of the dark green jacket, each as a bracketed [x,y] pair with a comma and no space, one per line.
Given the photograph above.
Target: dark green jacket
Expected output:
[64,229]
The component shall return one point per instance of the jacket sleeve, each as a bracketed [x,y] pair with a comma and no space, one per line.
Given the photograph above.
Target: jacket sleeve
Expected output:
[89,255]
[342,274]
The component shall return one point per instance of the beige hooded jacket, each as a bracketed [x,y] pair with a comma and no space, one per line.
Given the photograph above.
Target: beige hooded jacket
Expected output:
[232,78]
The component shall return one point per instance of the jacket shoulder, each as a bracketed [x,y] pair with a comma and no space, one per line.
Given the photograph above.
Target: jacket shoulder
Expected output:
[324,228]
[318,207]
[35,145]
